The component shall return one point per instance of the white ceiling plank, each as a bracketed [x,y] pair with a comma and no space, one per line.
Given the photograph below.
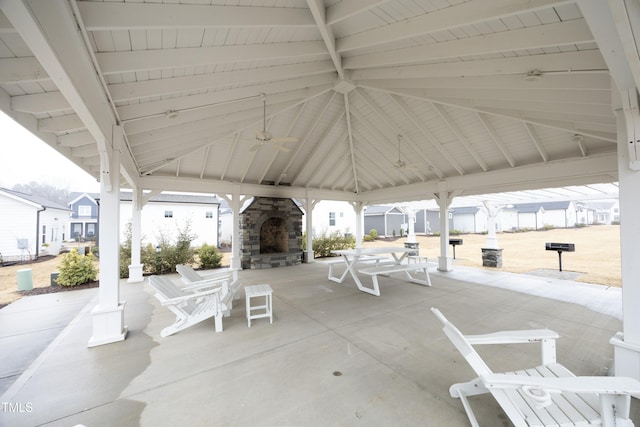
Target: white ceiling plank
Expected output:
[318,11]
[129,61]
[626,15]
[354,169]
[496,138]
[16,70]
[458,133]
[345,9]
[596,110]
[536,141]
[569,81]
[76,139]
[276,152]
[106,16]
[558,96]
[310,157]
[397,131]
[40,103]
[203,113]
[148,109]
[427,134]
[87,150]
[59,124]
[158,87]
[561,120]
[232,150]
[305,137]
[566,62]
[558,34]
[440,20]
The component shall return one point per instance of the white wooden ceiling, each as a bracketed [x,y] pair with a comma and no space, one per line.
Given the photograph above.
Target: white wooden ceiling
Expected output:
[184,79]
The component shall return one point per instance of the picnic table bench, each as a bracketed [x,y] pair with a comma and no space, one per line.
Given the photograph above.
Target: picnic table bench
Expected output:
[364,259]
[409,270]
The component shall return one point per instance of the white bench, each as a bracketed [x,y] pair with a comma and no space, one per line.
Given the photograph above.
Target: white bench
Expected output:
[364,259]
[385,270]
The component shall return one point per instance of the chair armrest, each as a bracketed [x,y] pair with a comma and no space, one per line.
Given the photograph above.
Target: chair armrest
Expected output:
[178,300]
[546,338]
[513,337]
[206,283]
[601,385]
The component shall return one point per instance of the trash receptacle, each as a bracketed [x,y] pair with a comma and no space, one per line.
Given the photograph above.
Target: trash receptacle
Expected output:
[25,279]
[54,277]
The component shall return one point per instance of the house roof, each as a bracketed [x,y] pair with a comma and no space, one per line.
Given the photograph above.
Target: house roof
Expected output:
[465,210]
[34,199]
[387,100]
[547,206]
[381,210]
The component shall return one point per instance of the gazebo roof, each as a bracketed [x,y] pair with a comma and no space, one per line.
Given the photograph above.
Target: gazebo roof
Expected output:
[387,100]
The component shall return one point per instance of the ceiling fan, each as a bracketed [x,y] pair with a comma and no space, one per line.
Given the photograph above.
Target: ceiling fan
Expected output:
[401,164]
[263,137]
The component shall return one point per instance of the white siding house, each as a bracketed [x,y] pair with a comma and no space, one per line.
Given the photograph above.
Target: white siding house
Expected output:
[31,226]
[330,216]
[165,215]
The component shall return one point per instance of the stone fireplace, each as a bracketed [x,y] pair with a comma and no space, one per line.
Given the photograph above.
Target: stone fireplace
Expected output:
[271,233]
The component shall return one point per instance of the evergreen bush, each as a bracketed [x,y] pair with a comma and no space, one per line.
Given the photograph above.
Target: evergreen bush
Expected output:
[209,257]
[76,269]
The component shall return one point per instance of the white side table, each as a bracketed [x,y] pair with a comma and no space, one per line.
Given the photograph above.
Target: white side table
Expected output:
[259,291]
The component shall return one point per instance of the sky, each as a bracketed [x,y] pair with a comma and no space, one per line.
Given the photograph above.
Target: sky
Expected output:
[25,158]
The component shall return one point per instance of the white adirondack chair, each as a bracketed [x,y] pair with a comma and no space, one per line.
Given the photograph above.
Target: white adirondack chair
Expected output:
[189,308]
[193,280]
[547,395]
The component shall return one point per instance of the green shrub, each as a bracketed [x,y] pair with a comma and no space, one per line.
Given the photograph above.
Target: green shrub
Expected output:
[455,232]
[125,253]
[548,227]
[373,233]
[324,244]
[76,269]
[209,257]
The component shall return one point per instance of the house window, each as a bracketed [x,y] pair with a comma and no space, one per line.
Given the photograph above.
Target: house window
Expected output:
[44,234]
[208,214]
[341,214]
[84,210]
[91,230]
[168,214]
[332,218]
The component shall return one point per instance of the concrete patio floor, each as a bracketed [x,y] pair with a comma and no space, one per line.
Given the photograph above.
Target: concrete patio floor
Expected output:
[334,356]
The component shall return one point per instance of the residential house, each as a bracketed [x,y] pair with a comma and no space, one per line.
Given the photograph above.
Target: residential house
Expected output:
[601,212]
[31,226]
[84,216]
[387,220]
[330,216]
[468,219]
[538,215]
[164,216]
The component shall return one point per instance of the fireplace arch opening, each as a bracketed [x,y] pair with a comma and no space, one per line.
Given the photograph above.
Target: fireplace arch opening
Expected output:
[274,236]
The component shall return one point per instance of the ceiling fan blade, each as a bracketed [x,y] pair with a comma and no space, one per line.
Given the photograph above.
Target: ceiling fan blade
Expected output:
[280,147]
[285,139]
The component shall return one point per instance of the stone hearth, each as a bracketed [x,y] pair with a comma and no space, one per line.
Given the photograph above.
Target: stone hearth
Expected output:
[270,233]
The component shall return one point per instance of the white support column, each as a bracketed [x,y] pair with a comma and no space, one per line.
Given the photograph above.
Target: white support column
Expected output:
[492,211]
[108,315]
[235,203]
[444,198]
[136,267]
[627,343]
[358,207]
[411,234]
[309,204]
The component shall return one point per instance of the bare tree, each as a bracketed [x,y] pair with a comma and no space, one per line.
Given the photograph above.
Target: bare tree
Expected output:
[49,192]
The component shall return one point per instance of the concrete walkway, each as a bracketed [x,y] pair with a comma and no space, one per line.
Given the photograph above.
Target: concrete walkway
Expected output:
[334,356]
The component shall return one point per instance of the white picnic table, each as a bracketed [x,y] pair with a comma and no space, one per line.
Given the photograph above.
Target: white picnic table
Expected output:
[352,257]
